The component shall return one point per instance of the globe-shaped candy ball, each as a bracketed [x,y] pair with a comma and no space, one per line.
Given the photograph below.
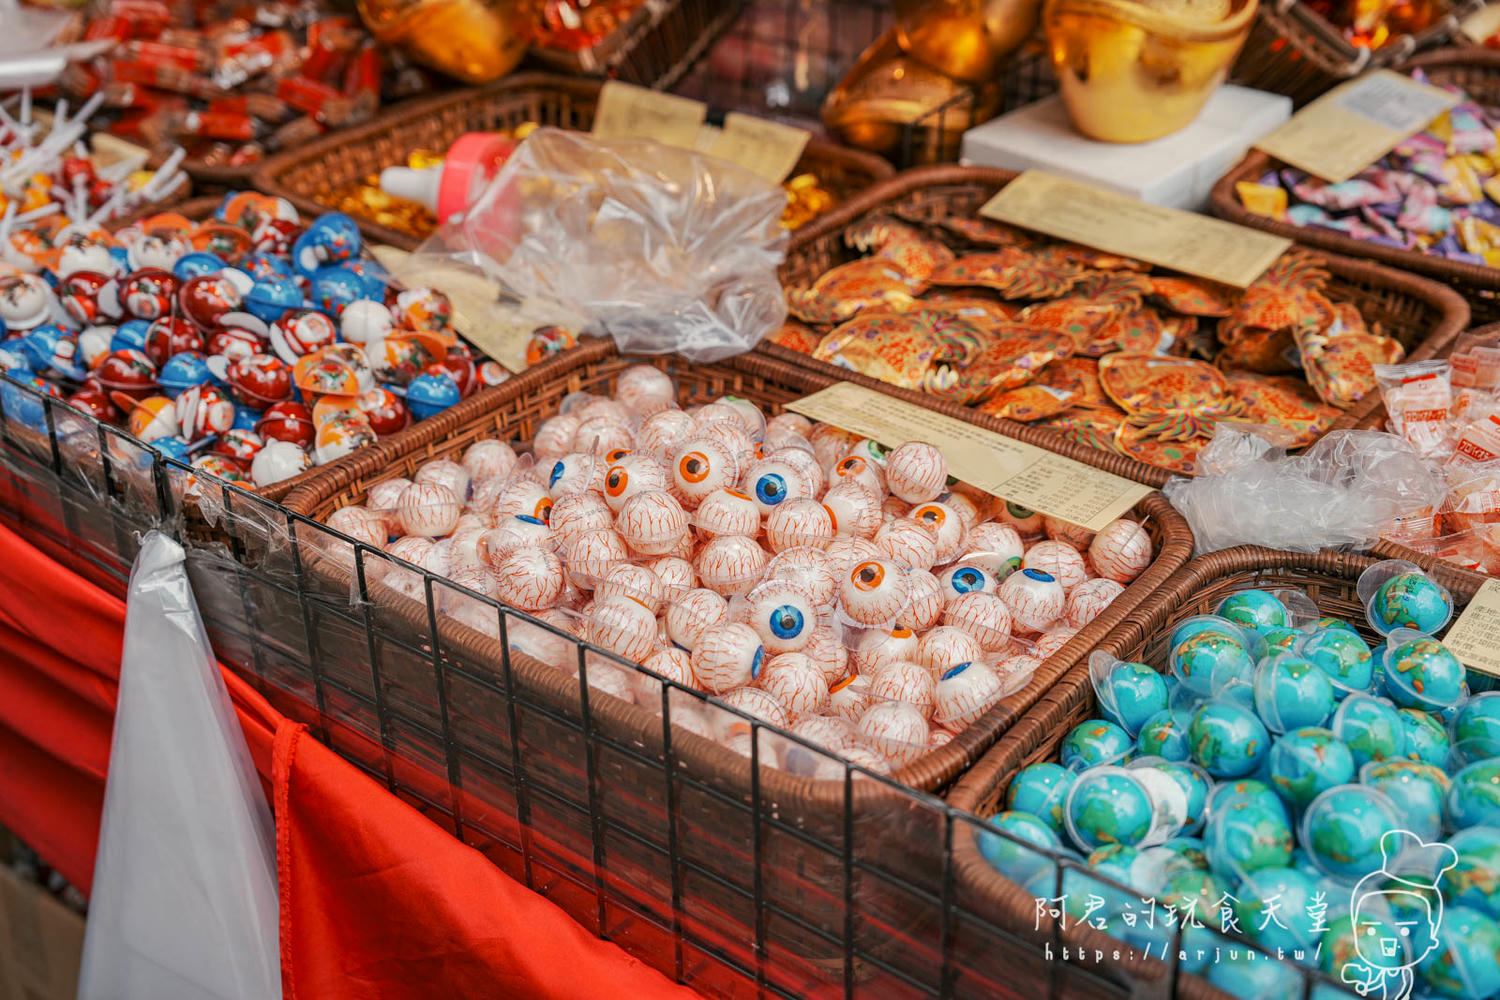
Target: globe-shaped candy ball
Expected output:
[1228,740]
[1475,880]
[1466,963]
[1343,656]
[1273,904]
[1040,789]
[1304,763]
[1426,737]
[1132,693]
[1095,742]
[1015,858]
[1108,805]
[1341,947]
[1185,891]
[1190,849]
[1256,609]
[1474,733]
[1246,837]
[1473,798]
[1422,673]
[1165,735]
[1342,828]
[1240,974]
[1370,728]
[1409,600]
[1292,692]
[1195,786]
[1209,659]
[1277,640]
[1416,789]
[1228,794]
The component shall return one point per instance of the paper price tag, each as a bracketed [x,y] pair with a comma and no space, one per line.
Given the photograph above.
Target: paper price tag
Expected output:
[626,111]
[1021,473]
[1475,637]
[1117,223]
[1482,23]
[769,149]
[1355,124]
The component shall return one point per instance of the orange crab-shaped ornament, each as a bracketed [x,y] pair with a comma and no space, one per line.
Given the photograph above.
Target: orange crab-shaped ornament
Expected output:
[1339,361]
[1193,296]
[1011,357]
[902,348]
[1013,272]
[1172,399]
[1279,401]
[986,232]
[851,288]
[1285,297]
[887,238]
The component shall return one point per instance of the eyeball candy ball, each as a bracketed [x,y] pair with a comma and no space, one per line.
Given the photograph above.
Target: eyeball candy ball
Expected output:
[924,600]
[690,615]
[593,555]
[644,390]
[1041,789]
[489,459]
[661,433]
[278,461]
[946,647]
[1165,735]
[699,468]
[430,510]
[962,578]
[1205,654]
[731,564]
[1121,551]
[1342,829]
[904,681]
[1343,656]
[782,615]
[1089,599]
[1370,728]
[1292,693]
[1013,859]
[676,574]
[984,616]
[510,534]
[651,522]
[727,512]
[554,438]
[623,625]
[1257,609]
[853,508]
[1473,797]
[1131,694]
[964,693]
[873,592]
[996,548]
[895,729]
[1095,742]
[771,483]
[1409,600]
[630,475]
[807,567]
[849,696]
[907,544]
[1246,835]
[635,582]
[1035,598]
[1465,965]
[1475,880]
[846,550]
[1416,789]
[916,472]
[798,522]
[445,473]
[1059,559]
[877,648]
[947,528]
[796,682]
[529,578]
[1422,673]
[576,514]
[1228,740]
[1108,805]
[1304,763]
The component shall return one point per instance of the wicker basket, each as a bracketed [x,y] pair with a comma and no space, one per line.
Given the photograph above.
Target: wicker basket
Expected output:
[1295,51]
[1328,577]
[352,155]
[1424,315]
[654,48]
[1477,71]
[820,808]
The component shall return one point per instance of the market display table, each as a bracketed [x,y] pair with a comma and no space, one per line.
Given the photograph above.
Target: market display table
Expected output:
[376,900]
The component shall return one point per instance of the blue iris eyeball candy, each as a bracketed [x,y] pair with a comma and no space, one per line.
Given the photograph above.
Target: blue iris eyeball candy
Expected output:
[428,395]
[1273,904]
[1228,740]
[1474,880]
[1257,609]
[1370,728]
[1342,655]
[1420,672]
[1165,735]
[1466,963]
[1304,763]
[1426,737]
[1208,659]
[1416,789]
[1015,858]
[1473,797]
[1342,829]
[1109,805]
[1095,742]
[1291,693]
[1129,693]
[1041,789]
[1247,835]
[966,578]
[1474,732]
[1409,600]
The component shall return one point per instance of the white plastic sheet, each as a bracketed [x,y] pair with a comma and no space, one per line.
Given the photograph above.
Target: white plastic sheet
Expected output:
[184,904]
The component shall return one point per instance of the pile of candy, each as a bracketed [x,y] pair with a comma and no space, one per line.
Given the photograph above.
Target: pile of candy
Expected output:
[1371,24]
[575,25]
[1437,192]
[1091,344]
[1276,761]
[834,588]
[233,82]
[249,343]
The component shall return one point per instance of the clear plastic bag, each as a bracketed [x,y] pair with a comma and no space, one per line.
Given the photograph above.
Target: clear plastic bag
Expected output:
[664,249]
[184,901]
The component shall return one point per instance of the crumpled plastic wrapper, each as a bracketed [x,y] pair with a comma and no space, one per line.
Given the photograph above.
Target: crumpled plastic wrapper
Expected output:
[1346,491]
[663,249]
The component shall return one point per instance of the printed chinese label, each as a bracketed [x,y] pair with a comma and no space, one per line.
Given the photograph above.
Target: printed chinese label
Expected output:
[1475,637]
[769,149]
[626,111]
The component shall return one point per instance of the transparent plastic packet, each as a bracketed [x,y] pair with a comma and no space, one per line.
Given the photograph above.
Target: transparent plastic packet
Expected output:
[1419,402]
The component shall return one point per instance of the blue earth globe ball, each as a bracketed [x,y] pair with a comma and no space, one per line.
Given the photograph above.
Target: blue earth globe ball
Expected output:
[1291,692]
[1195,786]
[1307,762]
[1165,735]
[1127,865]
[1466,963]
[1190,849]
[1257,609]
[1303,862]
[1475,880]
[1095,742]
[1416,789]
[1426,737]
[1245,837]
[1343,656]
[1227,794]
[1473,798]
[1340,948]
[1131,694]
[1278,640]
[1422,673]
[1016,859]
[1250,975]
[1040,789]
[1209,659]
[1193,626]
[1342,828]
[1276,909]
[1194,896]
[1474,733]
[1409,600]
[1370,728]
[1228,740]
[1108,805]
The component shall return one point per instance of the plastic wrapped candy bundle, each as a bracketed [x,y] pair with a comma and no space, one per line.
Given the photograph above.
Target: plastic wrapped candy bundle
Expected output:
[825,584]
[252,344]
[1279,756]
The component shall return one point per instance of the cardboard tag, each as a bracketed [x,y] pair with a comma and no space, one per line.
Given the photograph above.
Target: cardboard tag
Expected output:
[1355,124]
[1119,224]
[1475,637]
[1481,24]
[1012,470]
[626,111]
[769,149]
